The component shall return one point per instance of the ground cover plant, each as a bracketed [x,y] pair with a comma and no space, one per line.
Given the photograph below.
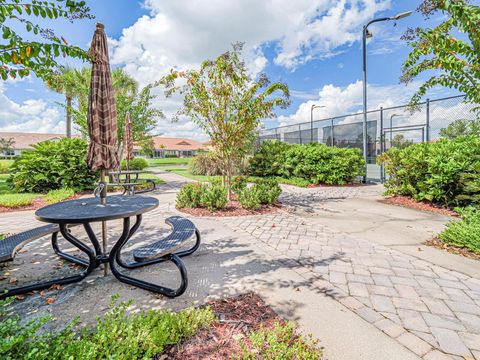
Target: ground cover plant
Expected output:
[17,200]
[53,165]
[314,163]
[445,172]
[464,233]
[54,196]
[5,166]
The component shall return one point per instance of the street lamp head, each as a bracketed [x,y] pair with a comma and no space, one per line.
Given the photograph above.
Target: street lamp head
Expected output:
[401,15]
[368,34]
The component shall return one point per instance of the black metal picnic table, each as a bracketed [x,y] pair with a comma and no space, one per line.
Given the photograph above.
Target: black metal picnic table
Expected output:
[87,211]
[130,180]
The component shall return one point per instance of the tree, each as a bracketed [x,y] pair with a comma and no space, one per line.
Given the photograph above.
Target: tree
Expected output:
[461,127]
[6,145]
[400,142]
[227,103]
[128,98]
[456,61]
[38,54]
[65,82]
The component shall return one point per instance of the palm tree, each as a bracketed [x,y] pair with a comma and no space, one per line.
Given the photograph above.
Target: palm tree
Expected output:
[64,82]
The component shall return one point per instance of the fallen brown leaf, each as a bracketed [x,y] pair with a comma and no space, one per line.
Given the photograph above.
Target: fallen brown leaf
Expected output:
[13,280]
[50,301]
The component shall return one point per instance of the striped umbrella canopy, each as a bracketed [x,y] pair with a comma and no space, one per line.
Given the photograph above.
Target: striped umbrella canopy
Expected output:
[102,115]
[128,139]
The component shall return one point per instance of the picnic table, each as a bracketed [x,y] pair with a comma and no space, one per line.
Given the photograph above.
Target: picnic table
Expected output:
[128,179]
[64,215]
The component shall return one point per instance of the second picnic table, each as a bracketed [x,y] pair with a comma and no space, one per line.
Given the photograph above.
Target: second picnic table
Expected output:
[128,179]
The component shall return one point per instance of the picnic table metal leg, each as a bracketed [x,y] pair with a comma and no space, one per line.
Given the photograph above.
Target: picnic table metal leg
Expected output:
[92,263]
[115,257]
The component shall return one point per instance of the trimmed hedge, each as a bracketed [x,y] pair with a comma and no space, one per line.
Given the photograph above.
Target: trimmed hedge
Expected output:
[53,165]
[315,163]
[446,172]
[135,164]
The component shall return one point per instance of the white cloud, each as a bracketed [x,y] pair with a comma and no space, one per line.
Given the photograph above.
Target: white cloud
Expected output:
[349,99]
[29,116]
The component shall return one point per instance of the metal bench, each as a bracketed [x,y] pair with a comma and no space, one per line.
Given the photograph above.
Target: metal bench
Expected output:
[162,250]
[12,244]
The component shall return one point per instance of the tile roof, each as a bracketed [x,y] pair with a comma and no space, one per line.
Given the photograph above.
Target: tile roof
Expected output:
[26,140]
[176,144]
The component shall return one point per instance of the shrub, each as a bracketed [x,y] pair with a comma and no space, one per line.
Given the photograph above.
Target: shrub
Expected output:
[53,165]
[321,164]
[143,335]
[211,196]
[189,195]
[54,196]
[446,172]
[214,197]
[5,166]
[269,158]
[249,198]
[239,184]
[464,233]
[268,191]
[280,342]
[135,164]
[17,200]
[206,164]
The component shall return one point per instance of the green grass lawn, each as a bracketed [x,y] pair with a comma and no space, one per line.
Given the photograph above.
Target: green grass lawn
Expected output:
[169,161]
[186,172]
[151,176]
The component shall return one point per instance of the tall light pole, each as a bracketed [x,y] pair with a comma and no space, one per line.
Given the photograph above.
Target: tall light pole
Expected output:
[366,34]
[311,119]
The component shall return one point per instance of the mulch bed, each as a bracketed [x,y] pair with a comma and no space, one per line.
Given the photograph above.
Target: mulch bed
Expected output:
[236,317]
[233,208]
[439,244]
[407,202]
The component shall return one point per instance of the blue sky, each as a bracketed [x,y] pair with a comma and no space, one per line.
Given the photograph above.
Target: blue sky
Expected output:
[313,46]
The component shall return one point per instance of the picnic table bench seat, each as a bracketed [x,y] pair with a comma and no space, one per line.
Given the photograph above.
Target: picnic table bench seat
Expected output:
[12,244]
[165,249]
[129,187]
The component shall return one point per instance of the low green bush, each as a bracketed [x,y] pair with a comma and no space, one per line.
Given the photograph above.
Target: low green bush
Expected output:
[143,335]
[5,166]
[135,164]
[54,196]
[446,172]
[17,200]
[249,198]
[210,196]
[53,165]
[239,184]
[189,195]
[214,197]
[268,191]
[280,342]
[314,163]
[269,159]
[464,233]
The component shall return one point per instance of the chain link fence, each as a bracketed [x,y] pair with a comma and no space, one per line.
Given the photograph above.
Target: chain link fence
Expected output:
[386,128]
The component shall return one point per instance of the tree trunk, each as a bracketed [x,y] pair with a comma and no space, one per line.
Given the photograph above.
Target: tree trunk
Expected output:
[69,117]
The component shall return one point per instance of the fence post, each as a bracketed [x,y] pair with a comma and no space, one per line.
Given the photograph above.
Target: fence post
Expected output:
[333,135]
[276,134]
[300,133]
[428,121]
[382,146]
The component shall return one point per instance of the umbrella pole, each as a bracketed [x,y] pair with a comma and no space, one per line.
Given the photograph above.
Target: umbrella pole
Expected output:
[103,200]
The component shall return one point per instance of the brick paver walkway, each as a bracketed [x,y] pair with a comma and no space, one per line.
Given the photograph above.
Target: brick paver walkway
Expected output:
[430,310]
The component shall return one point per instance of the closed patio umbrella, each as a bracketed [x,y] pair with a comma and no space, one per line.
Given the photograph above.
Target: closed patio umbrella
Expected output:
[102,117]
[128,140]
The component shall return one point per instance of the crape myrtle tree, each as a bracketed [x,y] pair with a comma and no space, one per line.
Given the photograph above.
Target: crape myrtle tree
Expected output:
[451,50]
[27,47]
[226,102]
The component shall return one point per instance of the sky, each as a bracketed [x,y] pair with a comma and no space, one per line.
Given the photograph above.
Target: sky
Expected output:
[312,45]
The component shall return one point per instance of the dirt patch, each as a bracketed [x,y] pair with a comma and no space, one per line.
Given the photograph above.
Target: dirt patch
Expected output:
[407,202]
[439,244]
[233,208]
[236,317]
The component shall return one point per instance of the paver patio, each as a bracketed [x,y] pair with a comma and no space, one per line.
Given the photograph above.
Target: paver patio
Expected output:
[426,308]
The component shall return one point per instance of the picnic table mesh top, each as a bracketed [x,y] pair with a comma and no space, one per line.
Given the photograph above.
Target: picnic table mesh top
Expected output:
[90,210]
